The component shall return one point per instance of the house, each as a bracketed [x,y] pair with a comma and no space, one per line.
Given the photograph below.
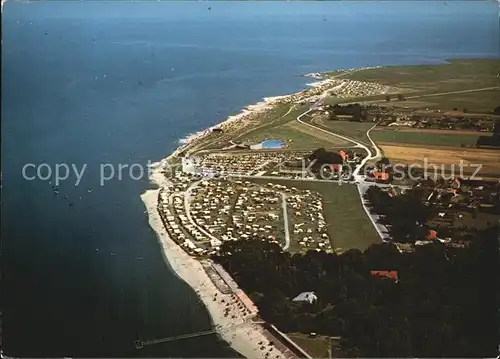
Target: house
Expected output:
[432,235]
[391,274]
[345,117]
[381,176]
[336,167]
[309,297]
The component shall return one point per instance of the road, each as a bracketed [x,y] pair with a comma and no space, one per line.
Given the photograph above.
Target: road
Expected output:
[285,221]
[187,209]
[370,155]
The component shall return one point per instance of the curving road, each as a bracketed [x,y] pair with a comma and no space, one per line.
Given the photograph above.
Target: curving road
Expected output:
[187,209]
[370,155]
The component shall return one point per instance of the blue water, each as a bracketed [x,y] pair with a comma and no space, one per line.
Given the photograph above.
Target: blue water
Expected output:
[273,144]
[120,83]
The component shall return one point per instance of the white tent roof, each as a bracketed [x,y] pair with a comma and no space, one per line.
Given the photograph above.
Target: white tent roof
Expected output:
[305,297]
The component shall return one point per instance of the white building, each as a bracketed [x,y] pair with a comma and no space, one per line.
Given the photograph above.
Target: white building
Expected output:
[306,297]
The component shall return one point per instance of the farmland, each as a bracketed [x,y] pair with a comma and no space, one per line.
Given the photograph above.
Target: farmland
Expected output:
[449,138]
[446,157]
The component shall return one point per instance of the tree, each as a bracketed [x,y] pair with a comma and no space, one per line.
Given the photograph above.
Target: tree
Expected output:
[388,98]
[385,161]
[496,128]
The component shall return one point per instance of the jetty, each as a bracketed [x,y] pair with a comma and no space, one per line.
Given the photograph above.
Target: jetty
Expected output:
[139,344]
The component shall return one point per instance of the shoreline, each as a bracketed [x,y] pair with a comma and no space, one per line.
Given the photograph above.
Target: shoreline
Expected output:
[244,337]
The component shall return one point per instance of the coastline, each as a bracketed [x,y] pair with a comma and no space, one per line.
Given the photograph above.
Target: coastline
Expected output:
[244,336]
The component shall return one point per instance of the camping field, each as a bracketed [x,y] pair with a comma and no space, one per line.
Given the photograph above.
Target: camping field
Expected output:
[348,225]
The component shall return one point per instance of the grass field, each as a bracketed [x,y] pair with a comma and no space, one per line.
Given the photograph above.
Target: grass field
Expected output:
[425,138]
[355,130]
[280,114]
[296,135]
[348,225]
[315,347]
[277,116]
[483,101]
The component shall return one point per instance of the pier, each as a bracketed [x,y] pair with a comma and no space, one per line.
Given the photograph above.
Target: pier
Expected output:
[139,344]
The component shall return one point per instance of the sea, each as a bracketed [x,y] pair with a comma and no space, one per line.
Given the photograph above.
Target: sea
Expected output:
[107,87]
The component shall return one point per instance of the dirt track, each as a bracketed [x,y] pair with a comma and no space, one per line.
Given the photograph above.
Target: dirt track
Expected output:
[419,130]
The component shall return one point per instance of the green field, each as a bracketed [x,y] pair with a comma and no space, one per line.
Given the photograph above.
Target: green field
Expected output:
[422,138]
[355,130]
[282,125]
[483,101]
[277,116]
[296,136]
[315,347]
[348,225]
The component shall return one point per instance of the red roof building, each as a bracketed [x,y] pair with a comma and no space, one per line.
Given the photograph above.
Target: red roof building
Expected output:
[432,235]
[385,274]
[336,166]
[384,176]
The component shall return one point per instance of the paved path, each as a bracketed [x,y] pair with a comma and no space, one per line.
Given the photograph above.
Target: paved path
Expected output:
[370,156]
[454,92]
[285,220]
[187,209]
